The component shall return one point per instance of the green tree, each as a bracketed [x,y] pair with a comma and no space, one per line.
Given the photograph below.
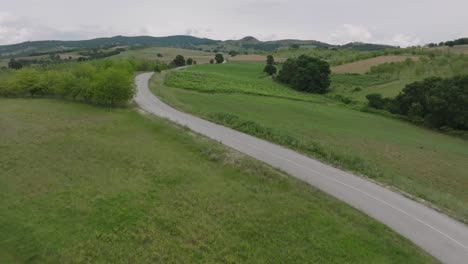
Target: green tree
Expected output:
[270,60]
[27,81]
[179,61]
[14,64]
[189,61]
[270,69]
[219,58]
[113,86]
[307,74]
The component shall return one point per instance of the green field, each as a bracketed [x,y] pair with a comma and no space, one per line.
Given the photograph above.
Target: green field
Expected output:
[424,163]
[80,184]
[168,54]
[238,77]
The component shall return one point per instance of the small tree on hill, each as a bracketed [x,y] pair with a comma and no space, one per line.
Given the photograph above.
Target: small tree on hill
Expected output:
[179,61]
[14,64]
[189,61]
[307,74]
[219,58]
[270,69]
[270,60]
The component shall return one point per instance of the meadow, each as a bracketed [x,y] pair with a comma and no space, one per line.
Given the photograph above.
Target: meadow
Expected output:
[415,160]
[83,184]
[168,54]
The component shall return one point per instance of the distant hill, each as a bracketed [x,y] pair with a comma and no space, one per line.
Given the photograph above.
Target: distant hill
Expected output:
[180,41]
[27,48]
[365,46]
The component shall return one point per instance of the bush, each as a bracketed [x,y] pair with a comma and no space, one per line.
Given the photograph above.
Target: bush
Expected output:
[219,58]
[270,69]
[306,74]
[179,61]
[376,101]
[113,86]
[189,61]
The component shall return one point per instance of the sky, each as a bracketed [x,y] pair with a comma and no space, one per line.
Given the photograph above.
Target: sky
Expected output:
[396,22]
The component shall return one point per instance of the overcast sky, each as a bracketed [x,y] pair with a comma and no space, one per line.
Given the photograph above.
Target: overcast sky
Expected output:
[396,22]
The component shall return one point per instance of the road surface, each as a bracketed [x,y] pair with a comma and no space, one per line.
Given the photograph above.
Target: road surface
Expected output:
[438,234]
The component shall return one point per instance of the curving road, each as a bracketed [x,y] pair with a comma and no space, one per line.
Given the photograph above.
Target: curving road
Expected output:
[438,234]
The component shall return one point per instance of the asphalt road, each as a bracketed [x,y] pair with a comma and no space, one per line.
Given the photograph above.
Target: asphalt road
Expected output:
[438,234]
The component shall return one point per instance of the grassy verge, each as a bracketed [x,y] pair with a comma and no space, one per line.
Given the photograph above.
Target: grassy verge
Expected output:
[80,184]
[418,161]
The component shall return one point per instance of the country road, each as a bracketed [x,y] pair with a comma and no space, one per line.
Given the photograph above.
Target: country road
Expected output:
[438,234]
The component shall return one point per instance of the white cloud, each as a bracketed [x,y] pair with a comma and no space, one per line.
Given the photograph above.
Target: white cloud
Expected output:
[403,40]
[350,33]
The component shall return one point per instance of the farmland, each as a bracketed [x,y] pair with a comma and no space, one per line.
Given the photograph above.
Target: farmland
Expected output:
[415,160]
[363,66]
[99,185]
[168,54]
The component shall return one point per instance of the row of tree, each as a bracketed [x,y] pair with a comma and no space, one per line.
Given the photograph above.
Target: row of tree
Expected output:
[107,82]
[436,102]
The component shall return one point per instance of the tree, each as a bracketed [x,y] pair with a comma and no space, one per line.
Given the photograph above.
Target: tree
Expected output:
[27,81]
[306,74]
[179,61]
[233,53]
[376,101]
[219,58]
[211,61]
[295,46]
[270,69]
[159,55]
[14,64]
[113,86]
[189,61]
[270,60]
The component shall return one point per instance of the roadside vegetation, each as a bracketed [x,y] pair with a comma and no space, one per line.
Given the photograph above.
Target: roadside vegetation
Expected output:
[421,162]
[103,82]
[82,184]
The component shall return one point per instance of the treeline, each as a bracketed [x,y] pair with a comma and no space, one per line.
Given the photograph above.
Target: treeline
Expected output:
[435,102]
[450,43]
[103,82]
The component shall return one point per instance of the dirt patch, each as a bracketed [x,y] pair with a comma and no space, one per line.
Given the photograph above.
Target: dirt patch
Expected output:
[364,66]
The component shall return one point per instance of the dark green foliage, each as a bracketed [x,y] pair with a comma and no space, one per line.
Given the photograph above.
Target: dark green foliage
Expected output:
[212,61]
[270,60]
[179,61]
[439,102]
[189,61]
[376,101]
[306,74]
[159,55]
[451,43]
[104,82]
[233,53]
[14,64]
[219,58]
[270,69]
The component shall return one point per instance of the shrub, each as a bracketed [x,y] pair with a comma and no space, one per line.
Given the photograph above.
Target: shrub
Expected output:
[219,58]
[189,61]
[270,69]
[179,61]
[113,86]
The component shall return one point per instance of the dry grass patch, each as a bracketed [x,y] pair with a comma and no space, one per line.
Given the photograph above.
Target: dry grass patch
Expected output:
[254,57]
[364,66]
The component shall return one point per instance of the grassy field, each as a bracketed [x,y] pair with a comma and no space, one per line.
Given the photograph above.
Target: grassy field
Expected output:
[363,66]
[418,161]
[80,184]
[168,54]
[244,77]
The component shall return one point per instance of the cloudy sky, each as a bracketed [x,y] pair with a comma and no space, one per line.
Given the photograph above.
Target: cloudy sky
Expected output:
[396,22]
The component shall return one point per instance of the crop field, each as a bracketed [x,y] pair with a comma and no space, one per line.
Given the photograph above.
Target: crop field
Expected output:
[364,66]
[81,184]
[253,58]
[424,163]
[462,49]
[168,54]
[231,78]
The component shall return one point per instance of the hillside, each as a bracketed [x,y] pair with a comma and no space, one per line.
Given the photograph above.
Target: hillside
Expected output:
[180,41]
[27,48]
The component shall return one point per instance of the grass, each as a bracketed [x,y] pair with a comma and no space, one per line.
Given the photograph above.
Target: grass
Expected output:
[80,184]
[235,77]
[421,162]
[168,54]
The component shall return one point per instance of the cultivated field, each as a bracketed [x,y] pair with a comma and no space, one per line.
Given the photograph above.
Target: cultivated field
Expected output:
[168,54]
[422,162]
[253,58]
[364,66]
[462,49]
[81,184]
